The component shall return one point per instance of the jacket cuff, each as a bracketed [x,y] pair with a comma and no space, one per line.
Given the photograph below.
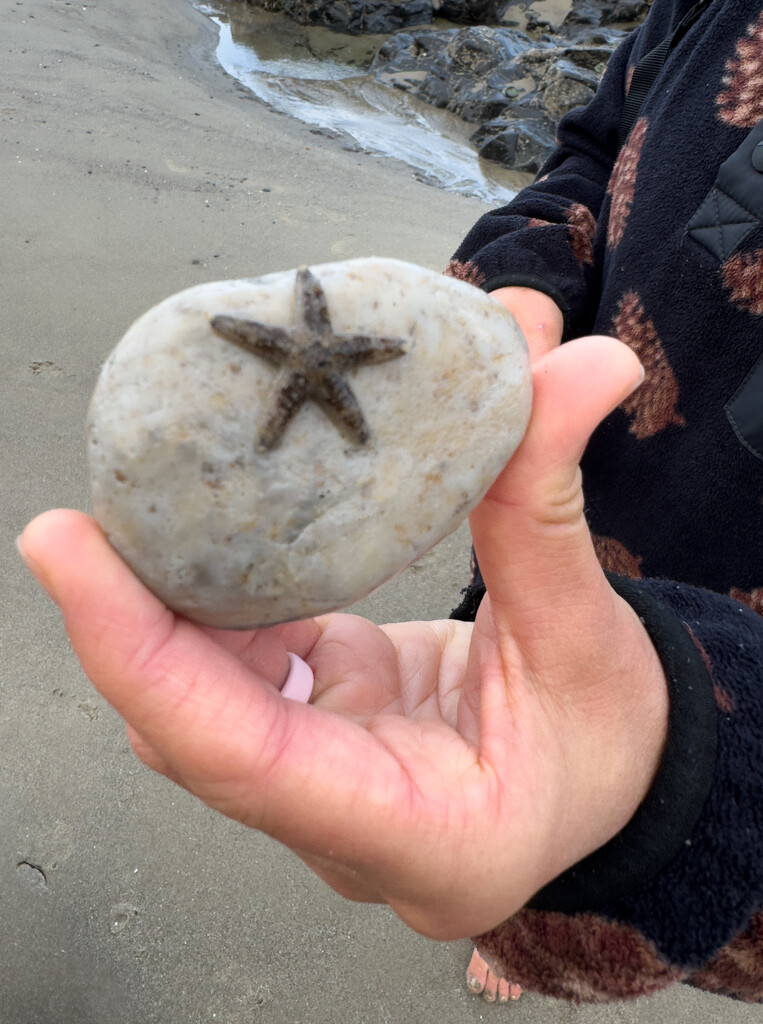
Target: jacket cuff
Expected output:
[662,825]
[538,284]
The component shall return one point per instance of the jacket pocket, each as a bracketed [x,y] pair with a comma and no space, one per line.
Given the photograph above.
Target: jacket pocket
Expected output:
[734,205]
[745,411]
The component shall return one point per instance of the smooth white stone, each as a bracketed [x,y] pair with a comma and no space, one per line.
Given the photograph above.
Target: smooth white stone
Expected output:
[237,537]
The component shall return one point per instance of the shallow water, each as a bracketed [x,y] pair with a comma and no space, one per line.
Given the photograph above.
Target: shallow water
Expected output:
[319,77]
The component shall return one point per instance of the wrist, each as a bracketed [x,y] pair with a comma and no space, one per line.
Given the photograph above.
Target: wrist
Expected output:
[665,818]
[639,716]
[617,736]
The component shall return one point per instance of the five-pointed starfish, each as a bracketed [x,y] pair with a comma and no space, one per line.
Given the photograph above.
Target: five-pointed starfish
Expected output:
[312,359]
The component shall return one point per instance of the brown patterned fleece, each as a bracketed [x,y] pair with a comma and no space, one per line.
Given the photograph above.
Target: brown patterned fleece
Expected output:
[740,104]
[468,272]
[723,700]
[753,599]
[653,405]
[622,183]
[582,227]
[743,276]
[737,969]
[580,957]
[615,557]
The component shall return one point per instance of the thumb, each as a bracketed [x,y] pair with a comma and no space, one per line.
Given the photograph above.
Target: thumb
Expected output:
[529,532]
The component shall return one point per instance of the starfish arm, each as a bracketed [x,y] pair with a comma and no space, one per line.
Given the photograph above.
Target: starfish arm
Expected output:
[290,393]
[273,344]
[360,350]
[338,401]
[312,310]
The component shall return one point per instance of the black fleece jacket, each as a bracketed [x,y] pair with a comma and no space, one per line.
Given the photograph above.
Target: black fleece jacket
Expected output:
[661,244]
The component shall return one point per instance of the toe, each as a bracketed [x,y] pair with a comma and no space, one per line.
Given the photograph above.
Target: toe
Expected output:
[476,973]
[491,988]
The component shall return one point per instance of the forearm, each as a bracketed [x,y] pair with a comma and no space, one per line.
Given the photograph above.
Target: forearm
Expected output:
[544,238]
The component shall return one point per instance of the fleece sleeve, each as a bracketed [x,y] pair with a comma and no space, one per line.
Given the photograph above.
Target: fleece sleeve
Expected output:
[544,238]
[678,894]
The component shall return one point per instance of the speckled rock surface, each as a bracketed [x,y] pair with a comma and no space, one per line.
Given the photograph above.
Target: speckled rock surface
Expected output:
[266,450]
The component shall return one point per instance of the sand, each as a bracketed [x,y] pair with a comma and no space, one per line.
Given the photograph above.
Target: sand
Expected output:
[132,168]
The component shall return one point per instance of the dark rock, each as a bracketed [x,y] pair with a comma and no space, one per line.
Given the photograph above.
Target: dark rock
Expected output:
[544,20]
[595,13]
[356,16]
[583,13]
[494,77]
[407,52]
[469,12]
[608,37]
[521,145]
[535,17]
[416,64]
[567,85]
[482,50]
[470,71]
[593,58]
[566,94]
[632,11]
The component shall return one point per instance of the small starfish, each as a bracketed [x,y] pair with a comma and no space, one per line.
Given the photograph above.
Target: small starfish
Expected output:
[312,359]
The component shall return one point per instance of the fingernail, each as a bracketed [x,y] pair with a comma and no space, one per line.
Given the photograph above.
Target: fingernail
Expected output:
[299,682]
[640,379]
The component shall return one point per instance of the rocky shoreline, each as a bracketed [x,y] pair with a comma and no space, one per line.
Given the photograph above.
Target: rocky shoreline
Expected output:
[511,69]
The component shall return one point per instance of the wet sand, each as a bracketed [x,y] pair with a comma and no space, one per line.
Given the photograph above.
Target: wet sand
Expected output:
[131,168]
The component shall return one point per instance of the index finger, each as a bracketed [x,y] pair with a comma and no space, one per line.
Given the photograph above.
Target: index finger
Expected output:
[296,772]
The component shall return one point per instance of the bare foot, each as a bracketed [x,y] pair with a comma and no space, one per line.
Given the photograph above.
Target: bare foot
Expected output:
[479,978]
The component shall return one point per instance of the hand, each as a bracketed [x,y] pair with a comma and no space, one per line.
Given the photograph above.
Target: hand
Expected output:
[445,769]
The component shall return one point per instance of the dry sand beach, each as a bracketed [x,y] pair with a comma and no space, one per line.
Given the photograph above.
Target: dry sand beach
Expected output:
[132,168]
